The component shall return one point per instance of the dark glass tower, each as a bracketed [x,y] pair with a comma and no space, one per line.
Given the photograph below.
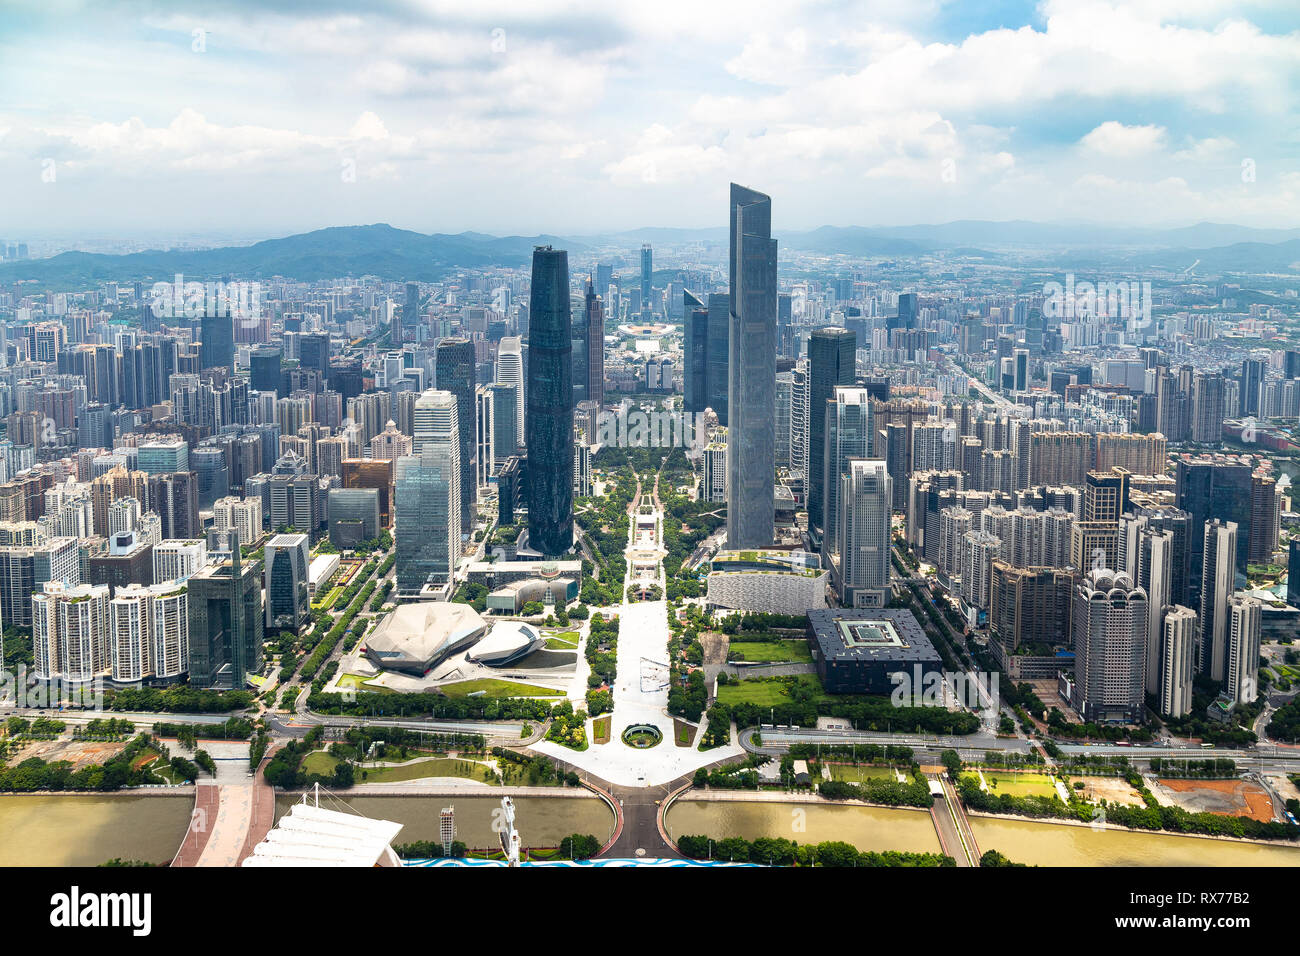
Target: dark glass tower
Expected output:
[549,420]
[455,374]
[695,349]
[314,352]
[217,342]
[906,318]
[264,366]
[579,332]
[751,392]
[595,309]
[831,359]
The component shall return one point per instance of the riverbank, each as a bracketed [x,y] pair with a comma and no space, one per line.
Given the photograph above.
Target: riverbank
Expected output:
[464,788]
[1096,826]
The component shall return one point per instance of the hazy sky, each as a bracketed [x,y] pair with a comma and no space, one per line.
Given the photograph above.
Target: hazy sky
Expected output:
[265,118]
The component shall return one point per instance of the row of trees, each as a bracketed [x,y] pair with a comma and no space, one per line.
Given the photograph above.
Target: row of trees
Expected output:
[777,851]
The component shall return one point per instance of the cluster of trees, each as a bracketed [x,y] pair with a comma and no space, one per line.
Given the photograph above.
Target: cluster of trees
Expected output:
[1285,724]
[914,793]
[864,712]
[599,702]
[688,698]
[236,728]
[45,728]
[602,651]
[473,594]
[535,770]
[1214,768]
[734,776]
[568,727]
[717,733]
[181,699]
[429,850]
[860,753]
[117,772]
[326,647]
[777,851]
[366,704]
[285,769]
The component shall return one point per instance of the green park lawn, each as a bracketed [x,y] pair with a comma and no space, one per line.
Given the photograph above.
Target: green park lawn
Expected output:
[1018,784]
[600,729]
[769,692]
[492,687]
[860,773]
[437,767]
[791,651]
[319,762]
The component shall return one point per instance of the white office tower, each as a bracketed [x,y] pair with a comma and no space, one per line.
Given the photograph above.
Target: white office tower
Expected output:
[862,573]
[176,560]
[428,495]
[1218,577]
[713,487]
[70,632]
[1245,617]
[1177,661]
[484,435]
[847,436]
[243,515]
[1109,622]
[510,371]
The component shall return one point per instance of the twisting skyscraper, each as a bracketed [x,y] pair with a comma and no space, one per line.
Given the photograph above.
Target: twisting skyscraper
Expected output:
[549,396]
[751,392]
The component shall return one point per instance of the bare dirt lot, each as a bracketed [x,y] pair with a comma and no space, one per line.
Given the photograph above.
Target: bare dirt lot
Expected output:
[1110,789]
[1235,798]
[77,752]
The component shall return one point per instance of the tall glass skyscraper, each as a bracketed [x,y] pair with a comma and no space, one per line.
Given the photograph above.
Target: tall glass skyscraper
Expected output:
[427,502]
[647,270]
[832,355]
[455,374]
[751,392]
[549,397]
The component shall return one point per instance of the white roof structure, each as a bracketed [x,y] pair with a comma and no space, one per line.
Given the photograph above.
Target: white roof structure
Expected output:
[310,836]
[506,641]
[416,636]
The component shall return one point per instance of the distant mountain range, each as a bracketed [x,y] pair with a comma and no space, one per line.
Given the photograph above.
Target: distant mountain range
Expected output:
[394,254]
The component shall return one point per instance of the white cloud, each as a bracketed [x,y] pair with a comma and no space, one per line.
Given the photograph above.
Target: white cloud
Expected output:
[1112,138]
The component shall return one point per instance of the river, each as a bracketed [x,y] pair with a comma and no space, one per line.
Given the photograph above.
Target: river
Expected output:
[867,828]
[1054,844]
[541,821]
[87,830]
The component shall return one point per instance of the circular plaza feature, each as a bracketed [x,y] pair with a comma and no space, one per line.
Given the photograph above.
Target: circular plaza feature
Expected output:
[642,736]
